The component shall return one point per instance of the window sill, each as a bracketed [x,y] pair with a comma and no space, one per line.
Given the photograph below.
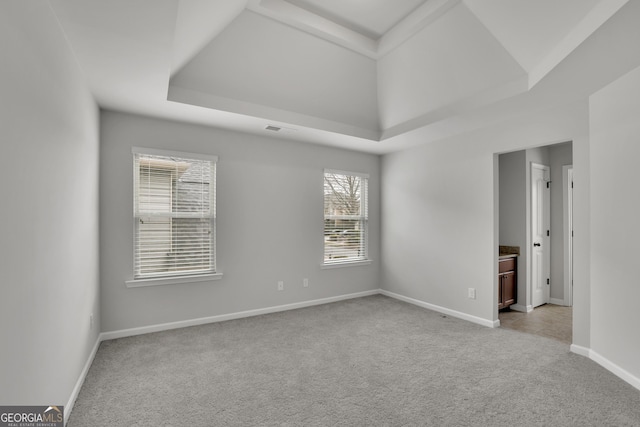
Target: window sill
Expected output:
[173,280]
[331,265]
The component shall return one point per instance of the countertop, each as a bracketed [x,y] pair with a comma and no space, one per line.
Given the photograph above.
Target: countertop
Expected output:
[505,252]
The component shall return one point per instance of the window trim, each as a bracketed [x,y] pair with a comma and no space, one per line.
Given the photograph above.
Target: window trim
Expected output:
[171,153]
[365,218]
[342,172]
[355,263]
[172,280]
[175,278]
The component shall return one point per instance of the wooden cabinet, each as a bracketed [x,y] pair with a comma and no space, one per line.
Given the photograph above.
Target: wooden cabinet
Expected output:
[507,282]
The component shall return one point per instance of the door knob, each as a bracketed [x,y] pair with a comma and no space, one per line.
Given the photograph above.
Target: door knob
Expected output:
[536,244]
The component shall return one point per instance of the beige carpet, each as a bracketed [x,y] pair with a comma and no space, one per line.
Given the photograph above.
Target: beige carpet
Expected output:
[367,362]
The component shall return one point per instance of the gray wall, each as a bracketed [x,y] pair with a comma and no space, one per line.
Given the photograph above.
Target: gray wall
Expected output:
[615,230]
[437,227]
[269,223]
[49,216]
[439,235]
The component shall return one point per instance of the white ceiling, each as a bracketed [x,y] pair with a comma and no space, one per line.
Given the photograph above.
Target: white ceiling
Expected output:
[369,75]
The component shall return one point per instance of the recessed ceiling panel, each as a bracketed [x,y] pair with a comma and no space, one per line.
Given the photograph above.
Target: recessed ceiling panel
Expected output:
[258,63]
[453,60]
[371,18]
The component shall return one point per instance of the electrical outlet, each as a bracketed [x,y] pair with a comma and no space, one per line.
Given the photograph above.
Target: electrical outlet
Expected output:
[281,285]
[305,283]
[472,293]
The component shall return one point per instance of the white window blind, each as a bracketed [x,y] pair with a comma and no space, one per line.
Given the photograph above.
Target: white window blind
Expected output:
[174,213]
[346,215]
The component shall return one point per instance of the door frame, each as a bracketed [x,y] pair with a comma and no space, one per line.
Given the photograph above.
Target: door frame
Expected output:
[567,213]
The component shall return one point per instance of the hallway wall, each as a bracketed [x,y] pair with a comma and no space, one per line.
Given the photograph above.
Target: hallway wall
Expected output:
[49,195]
[615,229]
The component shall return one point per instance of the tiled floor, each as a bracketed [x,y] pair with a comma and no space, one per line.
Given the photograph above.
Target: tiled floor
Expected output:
[551,321]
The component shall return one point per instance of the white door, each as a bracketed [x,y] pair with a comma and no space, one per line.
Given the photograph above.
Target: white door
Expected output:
[540,231]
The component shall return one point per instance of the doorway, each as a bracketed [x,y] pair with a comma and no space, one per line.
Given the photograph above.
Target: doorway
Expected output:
[544,242]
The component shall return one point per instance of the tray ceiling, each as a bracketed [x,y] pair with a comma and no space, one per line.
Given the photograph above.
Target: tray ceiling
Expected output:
[364,75]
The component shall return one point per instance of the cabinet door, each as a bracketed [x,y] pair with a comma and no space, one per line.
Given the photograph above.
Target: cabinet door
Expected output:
[509,288]
[507,264]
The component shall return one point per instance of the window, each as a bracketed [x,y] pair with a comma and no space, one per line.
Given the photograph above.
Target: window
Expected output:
[174,214]
[346,214]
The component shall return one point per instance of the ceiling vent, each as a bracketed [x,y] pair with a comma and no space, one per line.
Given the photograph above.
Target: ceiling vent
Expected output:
[273,128]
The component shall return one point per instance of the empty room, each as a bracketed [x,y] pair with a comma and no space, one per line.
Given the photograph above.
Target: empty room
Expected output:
[319,212]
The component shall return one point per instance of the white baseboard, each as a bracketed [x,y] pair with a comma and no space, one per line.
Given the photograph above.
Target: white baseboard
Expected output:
[443,310]
[615,369]
[582,351]
[607,364]
[231,316]
[521,308]
[76,389]
[275,309]
[556,301]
